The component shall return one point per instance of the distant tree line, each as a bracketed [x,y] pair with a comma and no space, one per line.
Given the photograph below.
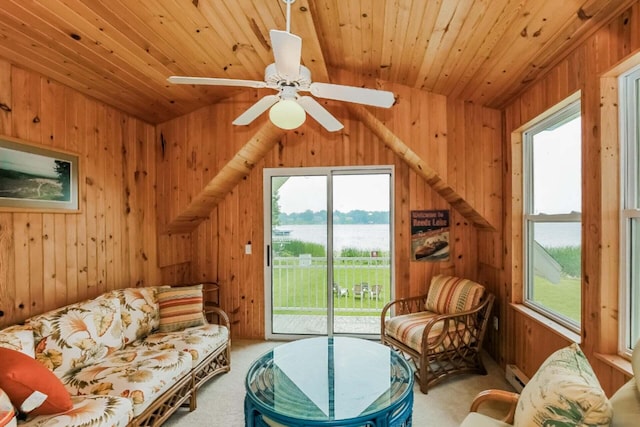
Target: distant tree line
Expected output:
[63,170]
[320,217]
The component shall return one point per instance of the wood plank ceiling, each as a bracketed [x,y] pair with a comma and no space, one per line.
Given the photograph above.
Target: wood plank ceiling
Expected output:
[122,51]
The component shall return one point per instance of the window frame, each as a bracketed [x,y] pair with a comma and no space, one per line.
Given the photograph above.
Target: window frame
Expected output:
[629,86]
[529,219]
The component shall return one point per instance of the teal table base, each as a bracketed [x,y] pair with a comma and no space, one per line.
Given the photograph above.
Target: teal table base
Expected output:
[397,416]
[340,381]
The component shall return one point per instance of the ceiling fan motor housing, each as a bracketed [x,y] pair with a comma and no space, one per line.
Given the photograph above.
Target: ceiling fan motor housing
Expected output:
[276,81]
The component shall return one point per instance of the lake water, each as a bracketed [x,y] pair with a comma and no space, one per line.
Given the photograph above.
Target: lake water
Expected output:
[376,236]
[360,236]
[556,234]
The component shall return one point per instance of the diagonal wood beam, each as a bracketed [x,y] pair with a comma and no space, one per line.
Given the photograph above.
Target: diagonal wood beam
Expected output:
[419,166]
[226,179]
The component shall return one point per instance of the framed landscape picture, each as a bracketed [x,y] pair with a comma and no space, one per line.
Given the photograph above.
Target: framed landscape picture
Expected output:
[36,178]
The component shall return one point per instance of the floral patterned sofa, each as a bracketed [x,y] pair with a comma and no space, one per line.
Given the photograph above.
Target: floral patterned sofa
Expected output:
[130,357]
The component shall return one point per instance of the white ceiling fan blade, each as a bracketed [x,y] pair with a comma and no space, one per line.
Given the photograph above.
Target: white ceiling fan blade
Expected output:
[359,95]
[319,113]
[212,81]
[256,109]
[287,49]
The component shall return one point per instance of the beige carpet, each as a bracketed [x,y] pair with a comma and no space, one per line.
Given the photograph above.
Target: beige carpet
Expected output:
[221,401]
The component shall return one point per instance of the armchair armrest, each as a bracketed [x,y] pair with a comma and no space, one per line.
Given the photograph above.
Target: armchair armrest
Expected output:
[507,397]
[402,306]
[474,322]
[406,305]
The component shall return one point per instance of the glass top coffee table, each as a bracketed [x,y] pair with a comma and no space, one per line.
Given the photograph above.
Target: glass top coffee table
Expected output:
[329,381]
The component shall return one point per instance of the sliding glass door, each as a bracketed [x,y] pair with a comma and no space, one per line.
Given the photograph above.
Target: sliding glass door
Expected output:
[328,239]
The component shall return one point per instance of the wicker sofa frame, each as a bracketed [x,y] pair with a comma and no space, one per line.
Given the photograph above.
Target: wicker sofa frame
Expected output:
[184,392]
[211,347]
[454,351]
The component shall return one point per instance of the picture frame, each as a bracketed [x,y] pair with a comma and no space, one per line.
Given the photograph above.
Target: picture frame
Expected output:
[430,235]
[36,178]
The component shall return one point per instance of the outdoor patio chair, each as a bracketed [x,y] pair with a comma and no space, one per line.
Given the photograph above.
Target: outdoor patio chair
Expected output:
[441,331]
[375,291]
[340,291]
[360,290]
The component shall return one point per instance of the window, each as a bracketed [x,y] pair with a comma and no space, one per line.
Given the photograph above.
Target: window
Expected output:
[552,219]
[630,215]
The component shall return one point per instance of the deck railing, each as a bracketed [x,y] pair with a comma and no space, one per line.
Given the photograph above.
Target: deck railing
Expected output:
[300,284]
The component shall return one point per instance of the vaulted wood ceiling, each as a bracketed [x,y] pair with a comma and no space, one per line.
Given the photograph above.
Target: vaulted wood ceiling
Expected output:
[122,51]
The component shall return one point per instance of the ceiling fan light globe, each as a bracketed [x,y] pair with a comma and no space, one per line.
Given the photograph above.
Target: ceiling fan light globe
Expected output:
[287,114]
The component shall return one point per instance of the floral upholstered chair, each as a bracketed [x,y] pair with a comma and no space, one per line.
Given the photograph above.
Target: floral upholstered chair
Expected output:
[441,331]
[564,392]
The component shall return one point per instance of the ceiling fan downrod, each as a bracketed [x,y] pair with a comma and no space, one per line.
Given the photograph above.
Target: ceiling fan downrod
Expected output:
[288,3]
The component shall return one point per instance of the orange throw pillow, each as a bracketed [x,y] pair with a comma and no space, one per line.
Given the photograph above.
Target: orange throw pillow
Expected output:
[22,375]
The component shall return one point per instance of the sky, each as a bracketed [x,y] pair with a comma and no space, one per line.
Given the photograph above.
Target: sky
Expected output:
[557,180]
[557,169]
[351,192]
[27,163]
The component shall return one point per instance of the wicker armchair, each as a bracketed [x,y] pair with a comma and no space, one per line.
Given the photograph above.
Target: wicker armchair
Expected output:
[442,331]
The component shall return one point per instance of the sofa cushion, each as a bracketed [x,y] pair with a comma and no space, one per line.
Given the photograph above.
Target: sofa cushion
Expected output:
[7,411]
[19,338]
[89,411]
[475,419]
[180,308]
[21,376]
[626,401]
[198,341]
[635,363]
[564,391]
[140,313]
[136,373]
[448,294]
[408,329]
[78,335]
[626,405]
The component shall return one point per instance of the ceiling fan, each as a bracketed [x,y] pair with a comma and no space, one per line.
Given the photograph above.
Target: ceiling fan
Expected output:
[289,77]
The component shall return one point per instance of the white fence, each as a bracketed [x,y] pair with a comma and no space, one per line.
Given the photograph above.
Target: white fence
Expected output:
[300,284]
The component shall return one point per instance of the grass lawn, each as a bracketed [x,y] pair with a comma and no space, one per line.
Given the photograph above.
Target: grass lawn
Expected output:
[302,290]
[563,297]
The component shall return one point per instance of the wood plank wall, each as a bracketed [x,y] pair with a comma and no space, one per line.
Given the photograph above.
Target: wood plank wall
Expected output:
[460,141]
[580,70]
[48,260]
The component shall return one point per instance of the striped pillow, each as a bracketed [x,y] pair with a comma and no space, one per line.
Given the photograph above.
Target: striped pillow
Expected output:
[180,308]
[449,294]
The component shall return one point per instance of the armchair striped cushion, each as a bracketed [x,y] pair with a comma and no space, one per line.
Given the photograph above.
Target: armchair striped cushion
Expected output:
[442,331]
[409,329]
[449,294]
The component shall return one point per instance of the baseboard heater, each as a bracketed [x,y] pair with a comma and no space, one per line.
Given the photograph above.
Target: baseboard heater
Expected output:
[516,377]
